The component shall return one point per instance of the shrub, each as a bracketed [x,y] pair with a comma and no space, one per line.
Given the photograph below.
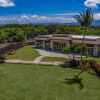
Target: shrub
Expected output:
[92,64]
[74,63]
[24,45]
[11,52]
[86,54]
[2,58]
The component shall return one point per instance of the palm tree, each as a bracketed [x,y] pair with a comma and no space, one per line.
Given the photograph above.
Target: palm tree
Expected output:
[85,19]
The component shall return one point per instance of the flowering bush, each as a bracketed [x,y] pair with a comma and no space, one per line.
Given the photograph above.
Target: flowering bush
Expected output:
[93,65]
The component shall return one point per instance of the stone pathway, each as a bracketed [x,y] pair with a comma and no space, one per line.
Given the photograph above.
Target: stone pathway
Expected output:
[47,53]
[51,53]
[14,61]
[38,59]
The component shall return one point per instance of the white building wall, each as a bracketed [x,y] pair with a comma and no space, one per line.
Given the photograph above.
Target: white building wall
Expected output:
[95,52]
[35,43]
[51,45]
[43,44]
[67,44]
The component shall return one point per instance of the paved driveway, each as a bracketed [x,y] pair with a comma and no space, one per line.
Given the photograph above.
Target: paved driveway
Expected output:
[51,53]
[47,53]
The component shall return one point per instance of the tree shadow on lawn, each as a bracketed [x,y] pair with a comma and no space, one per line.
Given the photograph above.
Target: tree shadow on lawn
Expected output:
[89,71]
[74,80]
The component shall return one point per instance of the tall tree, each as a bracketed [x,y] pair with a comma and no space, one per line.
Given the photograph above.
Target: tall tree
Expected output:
[85,19]
[74,49]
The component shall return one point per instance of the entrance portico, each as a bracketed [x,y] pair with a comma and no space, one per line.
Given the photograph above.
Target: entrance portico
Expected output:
[53,45]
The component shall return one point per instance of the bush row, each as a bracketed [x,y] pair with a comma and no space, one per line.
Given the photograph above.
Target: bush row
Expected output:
[87,64]
[93,65]
[14,46]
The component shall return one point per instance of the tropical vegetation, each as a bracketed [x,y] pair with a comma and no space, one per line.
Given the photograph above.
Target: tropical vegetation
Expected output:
[2,58]
[85,19]
[72,50]
[19,33]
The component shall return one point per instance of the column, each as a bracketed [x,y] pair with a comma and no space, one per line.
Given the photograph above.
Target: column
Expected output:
[95,51]
[36,43]
[67,44]
[51,45]
[43,44]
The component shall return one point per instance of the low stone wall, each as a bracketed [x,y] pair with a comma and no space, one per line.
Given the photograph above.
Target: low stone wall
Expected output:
[2,45]
[12,46]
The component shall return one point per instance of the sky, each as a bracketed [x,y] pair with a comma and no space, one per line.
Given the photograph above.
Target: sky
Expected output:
[45,11]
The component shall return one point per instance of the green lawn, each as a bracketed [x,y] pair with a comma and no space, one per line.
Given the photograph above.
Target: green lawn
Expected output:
[25,53]
[35,82]
[54,59]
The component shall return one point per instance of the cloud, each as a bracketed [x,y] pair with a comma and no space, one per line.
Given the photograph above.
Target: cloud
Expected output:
[6,3]
[92,3]
[97,16]
[24,19]
[65,14]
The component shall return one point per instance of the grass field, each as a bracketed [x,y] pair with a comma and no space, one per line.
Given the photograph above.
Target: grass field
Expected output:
[35,82]
[25,53]
[54,59]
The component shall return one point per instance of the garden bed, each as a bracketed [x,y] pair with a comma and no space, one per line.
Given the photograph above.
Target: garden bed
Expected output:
[12,46]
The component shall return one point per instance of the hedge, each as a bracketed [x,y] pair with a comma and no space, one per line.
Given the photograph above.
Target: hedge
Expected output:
[14,46]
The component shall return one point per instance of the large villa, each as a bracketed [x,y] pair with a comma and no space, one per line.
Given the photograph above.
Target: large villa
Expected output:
[58,42]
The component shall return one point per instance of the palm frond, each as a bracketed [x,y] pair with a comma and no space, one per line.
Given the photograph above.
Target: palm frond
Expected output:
[85,18]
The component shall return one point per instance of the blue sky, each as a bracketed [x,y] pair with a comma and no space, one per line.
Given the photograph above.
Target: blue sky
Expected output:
[45,11]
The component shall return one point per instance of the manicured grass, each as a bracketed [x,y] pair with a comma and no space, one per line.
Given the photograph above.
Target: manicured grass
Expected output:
[54,59]
[35,82]
[25,53]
